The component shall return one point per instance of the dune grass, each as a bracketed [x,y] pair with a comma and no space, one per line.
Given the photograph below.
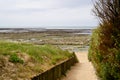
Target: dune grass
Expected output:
[35,51]
[29,59]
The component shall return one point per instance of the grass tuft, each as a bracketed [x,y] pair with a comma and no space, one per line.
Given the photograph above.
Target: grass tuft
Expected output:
[15,59]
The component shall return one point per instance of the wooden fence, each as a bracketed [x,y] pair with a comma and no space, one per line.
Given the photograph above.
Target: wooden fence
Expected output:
[57,71]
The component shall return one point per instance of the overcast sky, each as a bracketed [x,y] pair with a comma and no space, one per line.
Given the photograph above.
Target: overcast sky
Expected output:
[50,13]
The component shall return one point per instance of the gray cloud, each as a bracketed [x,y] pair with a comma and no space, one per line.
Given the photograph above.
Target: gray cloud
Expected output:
[46,12]
[74,3]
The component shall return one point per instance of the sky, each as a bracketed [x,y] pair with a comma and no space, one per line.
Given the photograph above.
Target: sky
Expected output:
[46,13]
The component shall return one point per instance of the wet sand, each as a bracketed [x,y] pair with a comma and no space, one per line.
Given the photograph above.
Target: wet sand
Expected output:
[82,70]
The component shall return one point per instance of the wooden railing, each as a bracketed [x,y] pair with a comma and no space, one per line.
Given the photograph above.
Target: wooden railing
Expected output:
[57,71]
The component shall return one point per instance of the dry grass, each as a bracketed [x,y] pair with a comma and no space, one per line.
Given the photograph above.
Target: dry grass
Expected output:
[35,59]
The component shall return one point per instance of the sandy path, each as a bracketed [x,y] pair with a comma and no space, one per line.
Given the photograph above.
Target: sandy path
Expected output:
[82,70]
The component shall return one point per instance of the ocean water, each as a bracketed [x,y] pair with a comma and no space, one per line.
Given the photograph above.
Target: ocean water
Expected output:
[54,27]
[71,27]
[20,29]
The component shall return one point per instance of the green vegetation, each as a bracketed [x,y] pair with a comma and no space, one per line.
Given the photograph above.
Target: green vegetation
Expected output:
[15,59]
[106,60]
[21,60]
[37,52]
[104,51]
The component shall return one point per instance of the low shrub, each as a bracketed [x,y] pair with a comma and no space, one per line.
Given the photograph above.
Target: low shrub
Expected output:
[104,56]
[15,59]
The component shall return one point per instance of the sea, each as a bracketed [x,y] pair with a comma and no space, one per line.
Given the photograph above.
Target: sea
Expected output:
[27,29]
